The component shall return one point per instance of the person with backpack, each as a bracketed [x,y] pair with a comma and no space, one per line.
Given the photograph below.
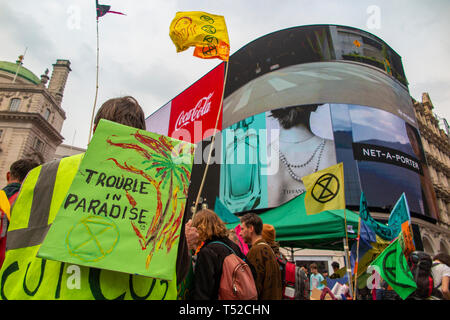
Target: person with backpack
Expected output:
[220,272]
[295,285]
[420,264]
[441,275]
[287,268]
[261,256]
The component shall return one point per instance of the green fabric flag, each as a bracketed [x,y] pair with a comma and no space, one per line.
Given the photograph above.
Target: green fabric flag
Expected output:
[393,268]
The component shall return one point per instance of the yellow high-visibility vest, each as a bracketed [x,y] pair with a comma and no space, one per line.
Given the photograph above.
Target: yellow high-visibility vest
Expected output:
[24,276]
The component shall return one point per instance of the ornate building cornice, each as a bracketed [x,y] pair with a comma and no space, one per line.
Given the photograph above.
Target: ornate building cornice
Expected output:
[437,164]
[35,118]
[30,88]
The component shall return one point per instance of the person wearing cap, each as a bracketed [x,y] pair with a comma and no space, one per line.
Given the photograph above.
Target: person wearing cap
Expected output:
[301,285]
[269,234]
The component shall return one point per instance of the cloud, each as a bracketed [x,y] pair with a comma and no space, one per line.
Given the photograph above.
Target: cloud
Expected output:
[137,56]
[372,123]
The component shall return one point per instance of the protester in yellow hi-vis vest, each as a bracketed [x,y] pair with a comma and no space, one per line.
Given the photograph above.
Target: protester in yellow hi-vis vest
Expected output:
[15,176]
[24,276]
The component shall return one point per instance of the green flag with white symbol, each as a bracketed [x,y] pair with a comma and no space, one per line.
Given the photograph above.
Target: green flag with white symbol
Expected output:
[393,268]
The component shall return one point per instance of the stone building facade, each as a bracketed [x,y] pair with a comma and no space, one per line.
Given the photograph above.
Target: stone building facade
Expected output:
[31,116]
[436,144]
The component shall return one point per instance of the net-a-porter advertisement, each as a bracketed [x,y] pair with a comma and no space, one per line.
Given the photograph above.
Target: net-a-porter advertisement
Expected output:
[300,100]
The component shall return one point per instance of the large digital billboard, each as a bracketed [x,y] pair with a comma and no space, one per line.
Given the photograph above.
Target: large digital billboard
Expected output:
[302,99]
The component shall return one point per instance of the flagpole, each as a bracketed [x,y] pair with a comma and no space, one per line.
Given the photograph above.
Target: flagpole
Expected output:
[359,233]
[357,256]
[20,64]
[212,143]
[96,87]
[347,263]
[347,256]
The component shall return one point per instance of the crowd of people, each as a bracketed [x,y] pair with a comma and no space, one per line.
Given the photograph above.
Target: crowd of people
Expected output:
[205,242]
[269,266]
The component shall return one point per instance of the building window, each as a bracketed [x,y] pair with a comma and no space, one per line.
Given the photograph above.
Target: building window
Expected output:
[1,134]
[38,145]
[47,114]
[14,105]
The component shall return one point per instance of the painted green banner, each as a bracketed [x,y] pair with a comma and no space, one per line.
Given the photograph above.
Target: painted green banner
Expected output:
[124,209]
[393,268]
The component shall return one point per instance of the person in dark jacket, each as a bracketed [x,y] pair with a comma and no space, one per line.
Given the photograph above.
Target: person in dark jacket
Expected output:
[214,242]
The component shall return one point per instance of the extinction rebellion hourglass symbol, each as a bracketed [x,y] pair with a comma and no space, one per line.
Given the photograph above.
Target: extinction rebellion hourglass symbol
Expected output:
[326,188]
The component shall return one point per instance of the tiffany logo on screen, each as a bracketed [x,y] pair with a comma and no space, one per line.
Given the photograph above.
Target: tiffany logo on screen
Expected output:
[326,188]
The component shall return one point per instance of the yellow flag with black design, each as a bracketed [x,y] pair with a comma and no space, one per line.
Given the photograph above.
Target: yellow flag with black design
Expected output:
[204,31]
[325,190]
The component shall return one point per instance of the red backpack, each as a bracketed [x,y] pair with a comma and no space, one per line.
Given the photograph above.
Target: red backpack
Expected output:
[287,270]
[236,282]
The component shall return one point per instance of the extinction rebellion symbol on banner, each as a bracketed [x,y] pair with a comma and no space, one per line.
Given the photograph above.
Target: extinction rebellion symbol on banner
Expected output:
[326,188]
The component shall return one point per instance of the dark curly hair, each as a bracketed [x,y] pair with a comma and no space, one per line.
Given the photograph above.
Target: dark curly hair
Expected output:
[124,110]
[20,168]
[252,219]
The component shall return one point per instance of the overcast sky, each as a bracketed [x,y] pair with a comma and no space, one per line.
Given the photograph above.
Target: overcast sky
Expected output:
[138,58]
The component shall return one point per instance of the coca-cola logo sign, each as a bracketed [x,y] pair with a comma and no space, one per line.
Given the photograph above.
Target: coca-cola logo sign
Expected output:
[195,112]
[201,108]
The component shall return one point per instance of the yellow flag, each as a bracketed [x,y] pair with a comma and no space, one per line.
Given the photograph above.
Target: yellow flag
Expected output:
[4,204]
[325,190]
[206,32]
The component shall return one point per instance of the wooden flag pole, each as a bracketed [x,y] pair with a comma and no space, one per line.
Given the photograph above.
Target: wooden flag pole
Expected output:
[212,143]
[347,256]
[96,88]
[347,263]
[20,64]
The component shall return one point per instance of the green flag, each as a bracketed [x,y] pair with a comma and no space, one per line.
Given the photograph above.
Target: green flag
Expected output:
[393,268]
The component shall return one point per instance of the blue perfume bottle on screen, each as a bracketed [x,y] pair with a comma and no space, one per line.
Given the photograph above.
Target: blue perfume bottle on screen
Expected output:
[241,187]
